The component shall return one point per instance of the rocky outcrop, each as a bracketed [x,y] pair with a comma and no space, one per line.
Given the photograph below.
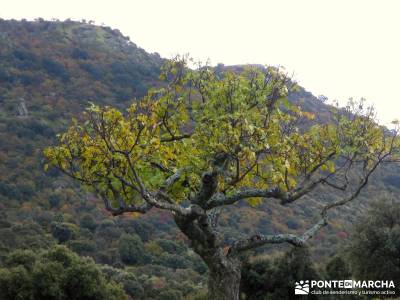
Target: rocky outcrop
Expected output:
[22,110]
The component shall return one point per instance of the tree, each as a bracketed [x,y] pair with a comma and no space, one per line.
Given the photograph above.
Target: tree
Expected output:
[375,248]
[63,231]
[295,265]
[205,141]
[336,268]
[131,249]
[275,279]
[58,274]
[88,222]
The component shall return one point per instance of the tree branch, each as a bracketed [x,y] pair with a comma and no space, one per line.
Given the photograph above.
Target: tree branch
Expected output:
[115,211]
[173,178]
[362,184]
[208,187]
[176,138]
[220,199]
[260,240]
[213,216]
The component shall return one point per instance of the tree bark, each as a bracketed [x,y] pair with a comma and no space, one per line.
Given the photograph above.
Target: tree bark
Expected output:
[224,281]
[224,269]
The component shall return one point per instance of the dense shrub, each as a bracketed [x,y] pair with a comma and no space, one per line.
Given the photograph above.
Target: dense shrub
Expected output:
[63,231]
[275,279]
[375,244]
[87,221]
[55,274]
[337,268]
[131,249]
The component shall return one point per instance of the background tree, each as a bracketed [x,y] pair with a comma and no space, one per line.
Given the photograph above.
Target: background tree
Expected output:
[209,140]
[55,274]
[275,279]
[88,222]
[337,267]
[63,231]
[375,245]
[131,249]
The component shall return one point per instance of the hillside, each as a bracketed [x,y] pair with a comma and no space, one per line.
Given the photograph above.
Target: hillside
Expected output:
[49,73]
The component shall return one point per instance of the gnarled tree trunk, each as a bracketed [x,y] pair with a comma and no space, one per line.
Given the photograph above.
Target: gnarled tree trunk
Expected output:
[224,281]
[225,269]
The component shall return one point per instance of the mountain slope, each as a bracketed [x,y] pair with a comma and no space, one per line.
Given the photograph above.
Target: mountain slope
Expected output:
[49,72]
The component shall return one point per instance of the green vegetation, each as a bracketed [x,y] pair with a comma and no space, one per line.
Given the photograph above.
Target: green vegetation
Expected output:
[275,279]
[54,274]
[374,250]
[59,68]
[131,250]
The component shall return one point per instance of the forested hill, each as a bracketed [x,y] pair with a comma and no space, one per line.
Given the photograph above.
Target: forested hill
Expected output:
[49,73]
[72,61]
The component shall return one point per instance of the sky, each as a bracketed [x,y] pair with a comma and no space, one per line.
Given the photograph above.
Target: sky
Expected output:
[337,48]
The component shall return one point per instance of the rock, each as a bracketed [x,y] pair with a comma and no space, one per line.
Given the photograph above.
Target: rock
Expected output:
[22,110]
